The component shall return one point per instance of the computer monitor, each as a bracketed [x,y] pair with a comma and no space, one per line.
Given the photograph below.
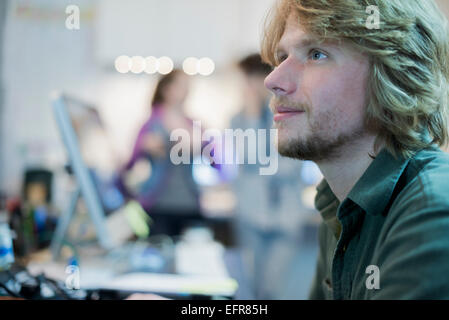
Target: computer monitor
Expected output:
[75,119]
[97,151]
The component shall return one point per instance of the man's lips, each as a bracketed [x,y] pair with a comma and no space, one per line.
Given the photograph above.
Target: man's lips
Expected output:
[282,112]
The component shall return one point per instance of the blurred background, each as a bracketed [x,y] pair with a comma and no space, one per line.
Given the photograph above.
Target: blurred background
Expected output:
[257,232]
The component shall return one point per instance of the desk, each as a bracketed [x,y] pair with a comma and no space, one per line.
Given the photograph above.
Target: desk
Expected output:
[99,270]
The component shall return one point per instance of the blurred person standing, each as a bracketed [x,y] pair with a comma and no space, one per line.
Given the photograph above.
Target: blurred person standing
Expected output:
[269,211]
[166,191]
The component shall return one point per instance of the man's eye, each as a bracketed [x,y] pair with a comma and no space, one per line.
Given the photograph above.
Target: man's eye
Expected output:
[317,55]
[281,58]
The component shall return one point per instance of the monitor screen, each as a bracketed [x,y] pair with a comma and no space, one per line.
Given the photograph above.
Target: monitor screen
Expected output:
[96,150]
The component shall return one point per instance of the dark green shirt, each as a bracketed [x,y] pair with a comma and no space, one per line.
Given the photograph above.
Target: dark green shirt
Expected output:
[396,218]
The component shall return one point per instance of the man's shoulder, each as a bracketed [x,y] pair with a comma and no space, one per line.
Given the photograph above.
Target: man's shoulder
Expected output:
[425,184]
[430,160]
[418,216]
[428,175]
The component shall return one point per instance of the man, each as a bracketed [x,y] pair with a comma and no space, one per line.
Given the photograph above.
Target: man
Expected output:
[369,107]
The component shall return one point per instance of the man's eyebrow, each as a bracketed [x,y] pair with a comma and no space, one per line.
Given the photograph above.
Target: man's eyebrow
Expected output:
[303,43]
[307,42]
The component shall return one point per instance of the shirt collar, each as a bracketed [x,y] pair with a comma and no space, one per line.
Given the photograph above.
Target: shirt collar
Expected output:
[327,204]
[373,190]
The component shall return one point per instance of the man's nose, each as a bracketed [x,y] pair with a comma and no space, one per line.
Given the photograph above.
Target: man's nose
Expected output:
[281,81]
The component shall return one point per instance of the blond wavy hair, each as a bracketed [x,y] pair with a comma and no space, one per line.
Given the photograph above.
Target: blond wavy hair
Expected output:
[409,66]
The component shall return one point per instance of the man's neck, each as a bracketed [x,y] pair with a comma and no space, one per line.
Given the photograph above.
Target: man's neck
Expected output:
[343,172]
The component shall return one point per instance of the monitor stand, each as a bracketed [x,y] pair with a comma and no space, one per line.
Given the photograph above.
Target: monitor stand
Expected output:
[64,223]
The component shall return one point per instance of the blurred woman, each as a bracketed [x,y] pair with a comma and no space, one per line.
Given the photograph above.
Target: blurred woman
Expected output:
[166,191]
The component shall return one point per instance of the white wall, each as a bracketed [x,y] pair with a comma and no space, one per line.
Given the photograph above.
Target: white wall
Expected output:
[3,6]
[219,29]
[39,55]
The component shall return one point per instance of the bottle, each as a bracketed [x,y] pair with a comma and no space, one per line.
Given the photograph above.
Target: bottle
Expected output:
[6,249]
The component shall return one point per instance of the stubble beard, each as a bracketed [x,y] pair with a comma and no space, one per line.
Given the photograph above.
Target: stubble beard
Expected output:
[317,146]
